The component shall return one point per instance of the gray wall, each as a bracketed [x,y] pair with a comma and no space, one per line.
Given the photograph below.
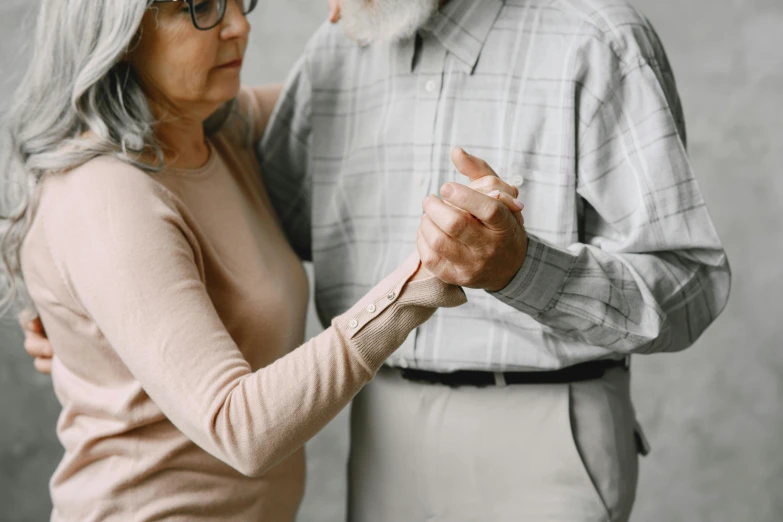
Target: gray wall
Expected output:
[711,412]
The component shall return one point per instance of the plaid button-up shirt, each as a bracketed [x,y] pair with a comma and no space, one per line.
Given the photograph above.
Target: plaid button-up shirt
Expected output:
[574,102]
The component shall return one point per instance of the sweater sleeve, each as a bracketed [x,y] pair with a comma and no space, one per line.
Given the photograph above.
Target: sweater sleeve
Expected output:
[130,261]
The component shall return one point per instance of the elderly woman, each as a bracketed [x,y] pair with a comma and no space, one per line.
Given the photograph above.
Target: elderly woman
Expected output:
[150,250]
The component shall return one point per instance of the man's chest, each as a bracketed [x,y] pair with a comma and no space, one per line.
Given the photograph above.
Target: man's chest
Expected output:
[382,145]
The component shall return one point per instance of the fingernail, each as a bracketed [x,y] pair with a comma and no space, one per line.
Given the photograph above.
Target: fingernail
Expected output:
[464,152]
[447,190]
[519,204]
[494,194]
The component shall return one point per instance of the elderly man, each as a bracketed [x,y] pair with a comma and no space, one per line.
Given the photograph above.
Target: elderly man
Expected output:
[515,406]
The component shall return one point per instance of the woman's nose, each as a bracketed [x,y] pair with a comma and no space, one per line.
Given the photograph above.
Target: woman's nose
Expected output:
[235,24]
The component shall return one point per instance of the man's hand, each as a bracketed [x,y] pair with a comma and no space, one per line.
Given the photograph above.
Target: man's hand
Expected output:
[37,345]
[470,238]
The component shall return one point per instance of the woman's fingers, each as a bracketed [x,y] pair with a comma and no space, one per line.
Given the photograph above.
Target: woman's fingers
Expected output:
[334,10]
[487,184]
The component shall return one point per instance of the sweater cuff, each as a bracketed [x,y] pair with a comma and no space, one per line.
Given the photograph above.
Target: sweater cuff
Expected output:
[535,288]
[381,321]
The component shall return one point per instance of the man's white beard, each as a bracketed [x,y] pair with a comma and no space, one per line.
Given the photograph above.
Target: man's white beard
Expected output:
[368,21]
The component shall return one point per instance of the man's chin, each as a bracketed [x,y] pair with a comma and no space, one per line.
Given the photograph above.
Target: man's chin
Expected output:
[384,21]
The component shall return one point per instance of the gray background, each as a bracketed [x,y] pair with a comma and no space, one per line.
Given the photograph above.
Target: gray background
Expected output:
[711,413]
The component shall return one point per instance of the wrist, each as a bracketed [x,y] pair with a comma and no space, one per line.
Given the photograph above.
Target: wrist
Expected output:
[515,267]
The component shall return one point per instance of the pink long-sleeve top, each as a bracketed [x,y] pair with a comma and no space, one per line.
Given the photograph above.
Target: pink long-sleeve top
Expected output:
[176,309]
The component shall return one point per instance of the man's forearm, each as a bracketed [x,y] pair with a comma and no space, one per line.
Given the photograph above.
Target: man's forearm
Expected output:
[624,302]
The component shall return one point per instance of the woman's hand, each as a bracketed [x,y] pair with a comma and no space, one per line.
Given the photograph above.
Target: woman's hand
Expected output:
[335,6]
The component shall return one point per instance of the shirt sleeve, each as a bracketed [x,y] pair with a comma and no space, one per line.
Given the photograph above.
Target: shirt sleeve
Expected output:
[284,155]
[649,273]
[132,264]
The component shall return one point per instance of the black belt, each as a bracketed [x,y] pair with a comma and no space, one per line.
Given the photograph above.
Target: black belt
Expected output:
[581,372]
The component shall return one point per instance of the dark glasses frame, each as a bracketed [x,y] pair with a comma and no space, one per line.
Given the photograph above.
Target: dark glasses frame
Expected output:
[251,4]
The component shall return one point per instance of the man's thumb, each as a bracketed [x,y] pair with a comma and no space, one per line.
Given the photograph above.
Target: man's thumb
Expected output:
[471,166]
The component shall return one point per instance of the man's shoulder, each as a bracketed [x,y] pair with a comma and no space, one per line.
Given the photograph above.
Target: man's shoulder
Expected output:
[603,16]
[331,58]
[615,24]
[329,42]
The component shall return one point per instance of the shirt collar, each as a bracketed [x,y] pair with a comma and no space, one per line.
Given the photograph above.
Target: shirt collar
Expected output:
[462,27]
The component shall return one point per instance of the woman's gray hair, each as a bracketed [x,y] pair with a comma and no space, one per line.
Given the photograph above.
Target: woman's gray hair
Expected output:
[78,82]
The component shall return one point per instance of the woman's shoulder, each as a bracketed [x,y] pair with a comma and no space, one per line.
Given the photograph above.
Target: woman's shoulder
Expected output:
[101,186]
[105,176]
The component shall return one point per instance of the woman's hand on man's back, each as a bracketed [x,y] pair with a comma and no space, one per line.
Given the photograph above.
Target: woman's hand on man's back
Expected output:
[37,344]
[335,6]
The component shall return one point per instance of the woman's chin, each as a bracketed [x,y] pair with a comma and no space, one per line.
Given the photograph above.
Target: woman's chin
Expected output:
[228,88]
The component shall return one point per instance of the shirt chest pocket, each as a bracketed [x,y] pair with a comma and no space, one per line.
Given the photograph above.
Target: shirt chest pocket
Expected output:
[550,203]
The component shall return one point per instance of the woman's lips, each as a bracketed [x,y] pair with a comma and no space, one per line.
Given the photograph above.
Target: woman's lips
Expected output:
[232,65]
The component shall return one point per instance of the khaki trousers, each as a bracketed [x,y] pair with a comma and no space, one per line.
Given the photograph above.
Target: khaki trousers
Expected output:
[552,452]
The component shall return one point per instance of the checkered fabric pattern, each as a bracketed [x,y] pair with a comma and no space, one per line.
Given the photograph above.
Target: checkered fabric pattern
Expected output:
[574,102]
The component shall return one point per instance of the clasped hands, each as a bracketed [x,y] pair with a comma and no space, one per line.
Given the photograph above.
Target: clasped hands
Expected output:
[475,235]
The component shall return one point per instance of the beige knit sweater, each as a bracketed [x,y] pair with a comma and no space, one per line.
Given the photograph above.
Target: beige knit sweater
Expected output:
[176,309]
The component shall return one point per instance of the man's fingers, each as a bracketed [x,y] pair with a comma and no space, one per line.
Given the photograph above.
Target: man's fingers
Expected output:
[429,258]
[471,166]
[432,261]
[514,205]
[36,326]
[43,365]
[31,323]
[38,346]
[439,241]
[453,221]
[488,210]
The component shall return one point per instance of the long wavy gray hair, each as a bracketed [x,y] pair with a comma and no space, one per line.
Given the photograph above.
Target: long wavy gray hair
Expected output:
[78,81]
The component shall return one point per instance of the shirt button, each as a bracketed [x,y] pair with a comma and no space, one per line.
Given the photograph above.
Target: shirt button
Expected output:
[430,86]
[516,180]
[391,295]
[371,308]
[353,324]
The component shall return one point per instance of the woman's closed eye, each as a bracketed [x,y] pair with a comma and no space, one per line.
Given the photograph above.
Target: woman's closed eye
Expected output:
[199,8]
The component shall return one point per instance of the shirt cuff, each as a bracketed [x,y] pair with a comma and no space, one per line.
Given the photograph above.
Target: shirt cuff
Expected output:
[534,289]
[381,321]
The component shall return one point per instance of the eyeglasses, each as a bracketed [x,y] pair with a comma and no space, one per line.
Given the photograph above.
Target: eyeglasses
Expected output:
[207,14]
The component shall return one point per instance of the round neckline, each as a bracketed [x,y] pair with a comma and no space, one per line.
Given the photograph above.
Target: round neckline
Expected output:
[203,170]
